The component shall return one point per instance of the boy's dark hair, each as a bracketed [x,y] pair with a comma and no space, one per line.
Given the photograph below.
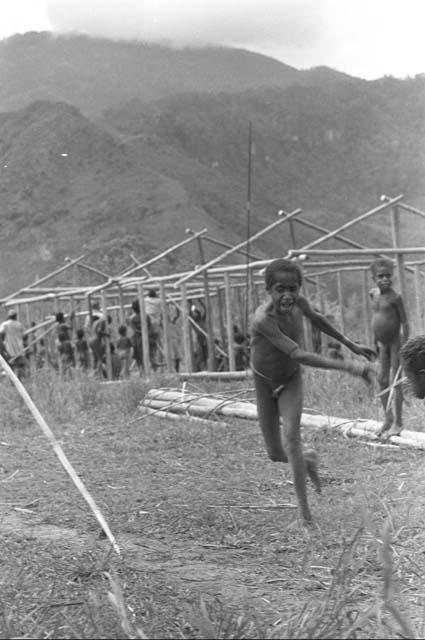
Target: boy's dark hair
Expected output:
[122,330]
[80,333]
[152,293]
[59,316]
[135,306]
[382,262]
[279,265]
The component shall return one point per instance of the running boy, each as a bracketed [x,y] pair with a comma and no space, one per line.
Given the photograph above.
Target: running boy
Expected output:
[390,330]
[276,356]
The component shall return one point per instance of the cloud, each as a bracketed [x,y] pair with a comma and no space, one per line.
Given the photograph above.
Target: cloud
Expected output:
[192,22]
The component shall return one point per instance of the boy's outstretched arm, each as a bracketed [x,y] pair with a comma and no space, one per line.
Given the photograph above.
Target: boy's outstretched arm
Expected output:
[319,321]
[364,370]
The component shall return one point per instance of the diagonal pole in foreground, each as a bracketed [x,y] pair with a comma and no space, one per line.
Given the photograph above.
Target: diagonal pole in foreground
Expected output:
[60,453]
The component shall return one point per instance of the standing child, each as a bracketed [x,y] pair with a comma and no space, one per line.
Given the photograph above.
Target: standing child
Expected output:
[124,350]
[390,330]
[82,349]
[276,356]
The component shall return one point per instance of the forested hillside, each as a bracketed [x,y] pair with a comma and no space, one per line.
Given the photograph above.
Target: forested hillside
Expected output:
[150,141]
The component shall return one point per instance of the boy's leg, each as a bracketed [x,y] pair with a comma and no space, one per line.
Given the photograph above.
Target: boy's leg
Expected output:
[397,426]
[290,408]
[268,417]
[384,381]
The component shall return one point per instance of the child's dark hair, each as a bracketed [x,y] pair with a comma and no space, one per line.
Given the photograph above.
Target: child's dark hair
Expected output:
[59,316]
[135,306]
[279,265]
[152,293]
[122,330]
[382,262]
[80,334]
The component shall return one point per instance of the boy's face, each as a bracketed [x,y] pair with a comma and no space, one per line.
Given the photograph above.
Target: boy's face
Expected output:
[384,278]
[284,291]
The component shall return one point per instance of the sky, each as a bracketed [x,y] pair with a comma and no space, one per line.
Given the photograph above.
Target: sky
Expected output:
[365,38]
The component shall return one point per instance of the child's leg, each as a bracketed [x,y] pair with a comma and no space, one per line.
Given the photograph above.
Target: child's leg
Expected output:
[398,393]
[290,408]
[384,381]
[268,416]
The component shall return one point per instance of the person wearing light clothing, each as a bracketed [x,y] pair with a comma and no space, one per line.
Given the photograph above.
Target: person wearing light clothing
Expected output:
[13,332]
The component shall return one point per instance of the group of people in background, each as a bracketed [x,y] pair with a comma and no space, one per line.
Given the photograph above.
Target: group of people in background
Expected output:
[84,345]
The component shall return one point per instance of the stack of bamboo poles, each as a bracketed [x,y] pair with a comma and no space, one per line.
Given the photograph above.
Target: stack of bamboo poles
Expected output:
[164,402]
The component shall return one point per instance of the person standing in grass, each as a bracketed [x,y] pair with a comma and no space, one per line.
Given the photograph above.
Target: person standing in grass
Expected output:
[277,354]
[124,350]
[390,330]
[13,331]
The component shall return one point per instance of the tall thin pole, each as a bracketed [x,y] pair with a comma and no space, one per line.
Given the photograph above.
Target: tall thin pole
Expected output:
[248,227]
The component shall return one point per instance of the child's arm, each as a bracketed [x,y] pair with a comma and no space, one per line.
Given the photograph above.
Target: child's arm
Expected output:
[364,370]
[319,321]
[403,319]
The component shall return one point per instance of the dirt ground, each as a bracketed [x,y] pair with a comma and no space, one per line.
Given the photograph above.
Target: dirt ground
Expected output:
[211,544]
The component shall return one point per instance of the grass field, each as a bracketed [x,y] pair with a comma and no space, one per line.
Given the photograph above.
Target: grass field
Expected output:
[211,544]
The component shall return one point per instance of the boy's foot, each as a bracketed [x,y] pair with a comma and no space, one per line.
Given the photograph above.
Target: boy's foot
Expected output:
[387,425]
[311,464]
[394,431]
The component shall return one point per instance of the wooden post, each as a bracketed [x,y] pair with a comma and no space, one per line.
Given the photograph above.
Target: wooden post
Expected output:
[121,303]
[418,299]
[73,316]
[221,310]
[366,307]
[341,300]
[165,327]
[187,346]
[144,329]
[106,339]
[395,232]
[209,320]
[319,296]
[229,323]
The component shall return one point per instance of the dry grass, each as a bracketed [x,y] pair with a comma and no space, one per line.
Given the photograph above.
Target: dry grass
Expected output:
[196,562]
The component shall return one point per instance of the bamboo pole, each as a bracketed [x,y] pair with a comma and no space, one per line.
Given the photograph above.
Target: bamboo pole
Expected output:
[121,305]
[187,345]
[366,308]
[166,328]
[341,300]
[163,254]
[388,251]
[395,232]
[338,236]
[106,339]
[220,312]
[229,322]
[91,269]
[144,329]
[418,299]
[45,278]
[209,319]
[227,245]
[59,452]
[236,248]
[347,225]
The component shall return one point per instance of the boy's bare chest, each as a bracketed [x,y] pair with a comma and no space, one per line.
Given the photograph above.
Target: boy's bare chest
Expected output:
[385,304]
[291,325]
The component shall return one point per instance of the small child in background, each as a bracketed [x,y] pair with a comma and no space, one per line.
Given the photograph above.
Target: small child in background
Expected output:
[390,330]
[124,347]
[116,363]
[82,349]
[66,355]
